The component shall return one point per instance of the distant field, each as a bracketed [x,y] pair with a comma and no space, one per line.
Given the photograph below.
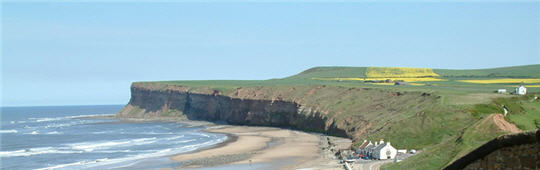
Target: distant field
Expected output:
[494,81]
[477,80]
[407,79]
[526,71]
[453,85]
[395,72]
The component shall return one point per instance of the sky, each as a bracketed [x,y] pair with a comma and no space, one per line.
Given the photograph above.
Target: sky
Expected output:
[88,53]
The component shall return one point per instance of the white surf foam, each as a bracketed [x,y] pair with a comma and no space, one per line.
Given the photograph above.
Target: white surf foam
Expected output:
[74,164]
[9,131]
[32,133]
[101,145]
[104,132]
[184,141]
[48,119]
[35,151]
[54,133]
[55,125]
[124,160]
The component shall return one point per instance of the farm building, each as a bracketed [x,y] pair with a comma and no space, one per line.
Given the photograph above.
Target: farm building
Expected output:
[521,90]
[401,83]
[384,151]
[503,91]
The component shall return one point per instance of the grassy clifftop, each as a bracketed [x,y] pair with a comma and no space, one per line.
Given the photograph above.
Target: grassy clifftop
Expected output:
[419,79]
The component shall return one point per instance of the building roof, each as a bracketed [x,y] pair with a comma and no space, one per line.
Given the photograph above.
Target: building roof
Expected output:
[381,146]
[370,147]
[363,145]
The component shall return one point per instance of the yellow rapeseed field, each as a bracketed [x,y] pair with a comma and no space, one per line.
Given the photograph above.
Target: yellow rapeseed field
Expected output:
[420,79]
[395,72]
[494,81]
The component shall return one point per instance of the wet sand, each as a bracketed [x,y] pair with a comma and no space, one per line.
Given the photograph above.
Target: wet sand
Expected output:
[264,148]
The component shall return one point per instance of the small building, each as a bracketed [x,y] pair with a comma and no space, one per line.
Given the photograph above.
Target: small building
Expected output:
[384,151]
[401,83]
[369,150]
[502,91]
[362,148]
[521,90]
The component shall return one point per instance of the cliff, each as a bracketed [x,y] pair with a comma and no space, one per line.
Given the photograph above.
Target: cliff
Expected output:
[340,111]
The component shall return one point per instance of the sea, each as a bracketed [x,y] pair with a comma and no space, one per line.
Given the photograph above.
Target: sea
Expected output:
[88,137]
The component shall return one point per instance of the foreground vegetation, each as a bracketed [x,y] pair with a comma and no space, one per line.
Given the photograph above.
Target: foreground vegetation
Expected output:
[524,112]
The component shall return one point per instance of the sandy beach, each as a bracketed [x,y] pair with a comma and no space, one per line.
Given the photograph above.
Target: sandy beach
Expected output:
[274,148]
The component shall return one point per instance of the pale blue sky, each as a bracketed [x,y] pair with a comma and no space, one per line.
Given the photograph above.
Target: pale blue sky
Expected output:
[89,53]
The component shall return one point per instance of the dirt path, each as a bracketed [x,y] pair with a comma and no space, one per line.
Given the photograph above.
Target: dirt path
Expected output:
[372,165]
[499,120]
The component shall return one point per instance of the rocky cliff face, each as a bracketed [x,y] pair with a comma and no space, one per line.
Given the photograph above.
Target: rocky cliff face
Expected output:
[306,108]
[177,102]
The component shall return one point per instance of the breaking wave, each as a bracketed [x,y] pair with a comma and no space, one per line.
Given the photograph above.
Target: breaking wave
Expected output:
[35,151]
[108,161]
[91,146]
[9,131]
[48,119]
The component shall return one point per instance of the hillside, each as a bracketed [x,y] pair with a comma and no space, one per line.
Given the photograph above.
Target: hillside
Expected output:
[526,71]
[438,111]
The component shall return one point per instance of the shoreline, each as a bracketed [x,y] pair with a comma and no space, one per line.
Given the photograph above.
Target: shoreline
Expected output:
[247,147]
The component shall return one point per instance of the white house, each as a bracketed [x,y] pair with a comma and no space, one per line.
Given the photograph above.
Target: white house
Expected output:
[384,151]
[521,90]
[503,91]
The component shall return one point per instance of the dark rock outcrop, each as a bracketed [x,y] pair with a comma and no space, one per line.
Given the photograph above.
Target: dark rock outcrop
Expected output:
[513,151]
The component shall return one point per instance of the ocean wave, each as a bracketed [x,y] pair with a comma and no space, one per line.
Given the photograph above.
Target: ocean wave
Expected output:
[9,131]
[101,145]
[54,133]
[48,119]
[114,151]
[109,161]
[174,137]
[35,151]
[49,150]
[55,125]
[32,133]
[73,164]
[184,141]
[58,125]
[157,133]
[104,132]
